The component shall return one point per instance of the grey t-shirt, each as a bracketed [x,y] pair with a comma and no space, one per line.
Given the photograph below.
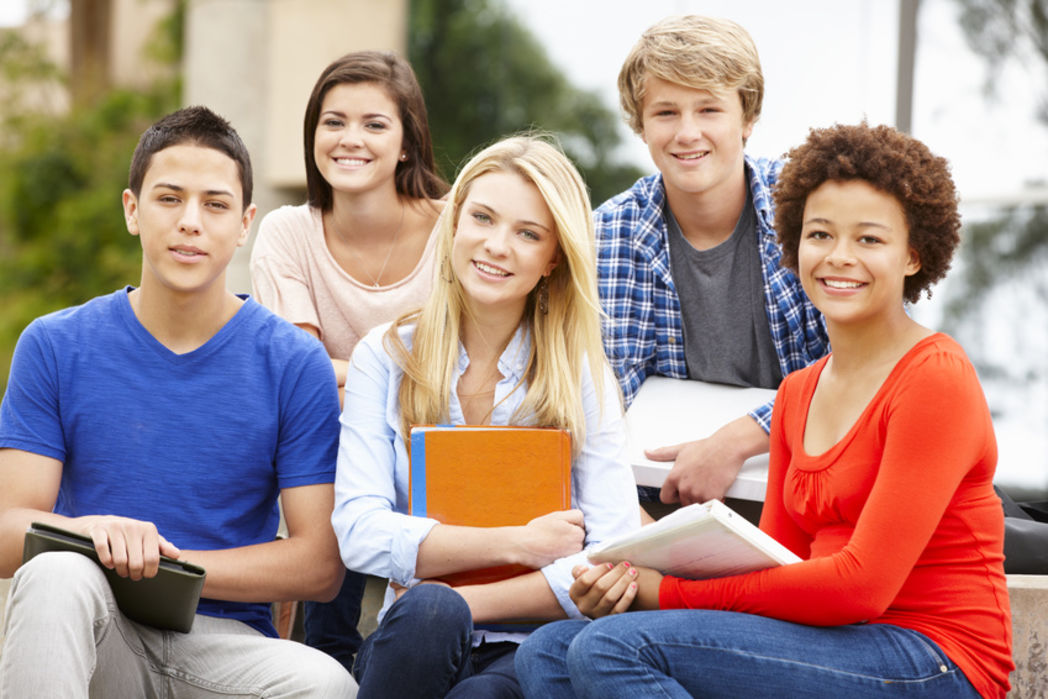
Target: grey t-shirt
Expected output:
[721,291]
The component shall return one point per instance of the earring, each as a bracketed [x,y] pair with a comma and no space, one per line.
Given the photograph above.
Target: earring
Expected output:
[445,270]
[403,157]
[544,296]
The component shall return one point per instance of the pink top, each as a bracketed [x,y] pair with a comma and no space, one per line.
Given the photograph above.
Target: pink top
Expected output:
[898,521]
[294,274]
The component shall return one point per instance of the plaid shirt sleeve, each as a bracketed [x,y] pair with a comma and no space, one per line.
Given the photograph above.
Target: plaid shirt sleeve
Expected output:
[797,328]
[643,334]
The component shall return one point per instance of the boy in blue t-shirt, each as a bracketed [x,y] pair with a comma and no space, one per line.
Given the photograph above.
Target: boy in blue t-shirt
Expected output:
[167,419]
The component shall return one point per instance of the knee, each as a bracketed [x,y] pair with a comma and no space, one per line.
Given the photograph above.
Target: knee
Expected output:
[326,676]
[546,648]
[59,577]
[600,638]
[433,607]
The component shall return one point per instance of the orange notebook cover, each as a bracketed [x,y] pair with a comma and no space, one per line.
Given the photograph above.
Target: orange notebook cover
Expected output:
[488,476]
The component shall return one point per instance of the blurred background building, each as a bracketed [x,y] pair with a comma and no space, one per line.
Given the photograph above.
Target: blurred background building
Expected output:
[80,79]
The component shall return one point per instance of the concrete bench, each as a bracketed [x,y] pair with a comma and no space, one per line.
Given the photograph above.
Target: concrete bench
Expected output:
[1029,599]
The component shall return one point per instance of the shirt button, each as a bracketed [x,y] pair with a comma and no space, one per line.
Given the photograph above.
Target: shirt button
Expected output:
[672,340]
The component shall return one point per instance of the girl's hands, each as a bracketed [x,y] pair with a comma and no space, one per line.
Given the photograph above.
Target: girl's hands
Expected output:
[612,589]
[603,589]
[549,537]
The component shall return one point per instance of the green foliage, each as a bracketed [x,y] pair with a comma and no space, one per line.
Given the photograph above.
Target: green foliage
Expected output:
[62,233]
[485,76]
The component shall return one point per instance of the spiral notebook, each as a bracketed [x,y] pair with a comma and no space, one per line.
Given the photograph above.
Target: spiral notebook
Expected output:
[166,601]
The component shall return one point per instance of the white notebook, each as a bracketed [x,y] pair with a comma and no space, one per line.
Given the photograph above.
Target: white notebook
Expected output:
[707,540]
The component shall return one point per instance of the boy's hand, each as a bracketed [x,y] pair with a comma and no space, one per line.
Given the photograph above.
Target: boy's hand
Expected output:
[705,469]
[701,471]
[131,547]
[549,537]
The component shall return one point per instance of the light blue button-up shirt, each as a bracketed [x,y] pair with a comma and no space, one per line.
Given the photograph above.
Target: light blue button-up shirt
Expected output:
[376,535]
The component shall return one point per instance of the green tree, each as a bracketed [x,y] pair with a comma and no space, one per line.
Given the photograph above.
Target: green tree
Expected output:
[484,76]
[62,237]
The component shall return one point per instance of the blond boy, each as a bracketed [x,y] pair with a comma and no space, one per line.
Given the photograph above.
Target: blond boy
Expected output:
[689,266]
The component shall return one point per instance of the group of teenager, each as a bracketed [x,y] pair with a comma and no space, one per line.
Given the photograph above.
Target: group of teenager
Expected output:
[167,419]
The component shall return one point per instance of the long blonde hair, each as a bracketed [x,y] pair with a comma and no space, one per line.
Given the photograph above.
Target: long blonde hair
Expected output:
[563,339]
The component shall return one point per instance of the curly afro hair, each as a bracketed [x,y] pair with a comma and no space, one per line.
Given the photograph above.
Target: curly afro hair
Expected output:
[892,162]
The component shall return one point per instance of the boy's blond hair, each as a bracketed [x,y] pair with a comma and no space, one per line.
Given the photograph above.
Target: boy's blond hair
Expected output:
[703,53]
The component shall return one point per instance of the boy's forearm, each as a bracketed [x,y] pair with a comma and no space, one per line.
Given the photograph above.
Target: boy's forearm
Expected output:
[285,569]
[13,524]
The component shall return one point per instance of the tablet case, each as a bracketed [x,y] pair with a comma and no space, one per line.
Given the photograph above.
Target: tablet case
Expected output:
[166,601]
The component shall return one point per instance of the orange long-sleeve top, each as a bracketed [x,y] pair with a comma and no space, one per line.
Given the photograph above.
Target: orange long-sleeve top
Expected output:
[897,522]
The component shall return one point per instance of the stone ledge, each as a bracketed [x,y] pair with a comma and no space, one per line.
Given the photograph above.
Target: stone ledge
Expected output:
[1028,595]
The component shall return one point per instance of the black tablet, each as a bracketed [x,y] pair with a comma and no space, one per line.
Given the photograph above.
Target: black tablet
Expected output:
[166,601]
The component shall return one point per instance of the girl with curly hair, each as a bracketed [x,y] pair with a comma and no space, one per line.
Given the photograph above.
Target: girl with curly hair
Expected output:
[882,460]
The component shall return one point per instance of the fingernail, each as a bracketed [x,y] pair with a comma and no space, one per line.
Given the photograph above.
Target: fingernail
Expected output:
[633,572]
[609,565]
[626,563]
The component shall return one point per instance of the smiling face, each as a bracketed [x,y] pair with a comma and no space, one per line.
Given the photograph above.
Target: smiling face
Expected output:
[854,252]
[505,242]
[190,218]
[359,137]
[695,137]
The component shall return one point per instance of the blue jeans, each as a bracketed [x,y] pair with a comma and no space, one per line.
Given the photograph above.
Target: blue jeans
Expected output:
[701,653]
[423,648]
[332,626]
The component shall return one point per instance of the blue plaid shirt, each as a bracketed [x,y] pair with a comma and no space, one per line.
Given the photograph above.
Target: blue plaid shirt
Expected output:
[643,333]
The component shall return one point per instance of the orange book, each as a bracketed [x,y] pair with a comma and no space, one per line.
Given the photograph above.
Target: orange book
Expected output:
[488,476]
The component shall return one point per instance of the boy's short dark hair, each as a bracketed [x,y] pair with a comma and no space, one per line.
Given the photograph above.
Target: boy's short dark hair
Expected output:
[894,163]
[195,126]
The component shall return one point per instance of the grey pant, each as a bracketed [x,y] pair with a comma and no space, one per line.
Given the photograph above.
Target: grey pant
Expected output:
[65,638]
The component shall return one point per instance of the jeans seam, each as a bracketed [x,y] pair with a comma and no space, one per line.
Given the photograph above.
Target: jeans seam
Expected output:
[791,661]
[933,650]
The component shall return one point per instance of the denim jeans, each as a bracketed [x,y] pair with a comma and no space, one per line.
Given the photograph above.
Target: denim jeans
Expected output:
[423,648]
[66,639]
[332,626]
[701,653]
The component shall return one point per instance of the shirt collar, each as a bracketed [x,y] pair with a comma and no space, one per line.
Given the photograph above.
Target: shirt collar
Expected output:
[513,359]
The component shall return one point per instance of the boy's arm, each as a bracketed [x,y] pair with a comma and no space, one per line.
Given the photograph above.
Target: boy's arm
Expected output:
[131,547]
[29,493]
[305,565]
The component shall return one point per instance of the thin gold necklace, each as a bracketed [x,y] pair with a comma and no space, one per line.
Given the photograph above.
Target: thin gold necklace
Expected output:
[375,280]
